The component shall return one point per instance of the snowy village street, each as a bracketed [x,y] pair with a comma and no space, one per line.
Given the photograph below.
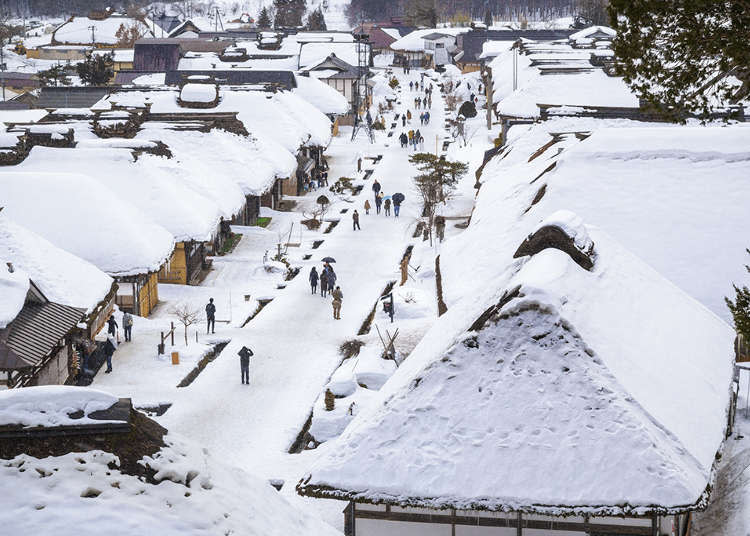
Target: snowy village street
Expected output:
[541,317]
[294,338]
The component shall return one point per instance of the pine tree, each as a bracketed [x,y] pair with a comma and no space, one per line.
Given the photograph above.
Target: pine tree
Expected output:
[740,308]
[54,76]
[264,19]
[683,56]
[316,21]
[488,17]
[96,70]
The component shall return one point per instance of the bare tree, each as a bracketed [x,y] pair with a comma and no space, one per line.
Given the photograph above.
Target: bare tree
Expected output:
[187,315]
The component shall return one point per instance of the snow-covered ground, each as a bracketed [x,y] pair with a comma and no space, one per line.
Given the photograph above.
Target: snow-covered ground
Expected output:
[294,338]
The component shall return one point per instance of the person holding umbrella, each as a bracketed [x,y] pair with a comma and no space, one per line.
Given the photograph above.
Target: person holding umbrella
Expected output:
[398,198]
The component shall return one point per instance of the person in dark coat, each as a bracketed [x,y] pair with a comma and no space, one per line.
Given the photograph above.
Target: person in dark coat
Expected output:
[411,86]
[323,282]
[355,221]
[331,276]
[245,354]
[314,280]
[387,207]
[210,316]
[404,140]
[112,326]
[378,203]
[396,207]
[109,348]
[403,120]
[376,187]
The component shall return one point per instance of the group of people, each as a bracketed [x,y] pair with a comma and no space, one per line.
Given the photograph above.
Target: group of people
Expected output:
[113,339]
[413,139]
[318,181]
[424,118]
[381,201]
[327,278]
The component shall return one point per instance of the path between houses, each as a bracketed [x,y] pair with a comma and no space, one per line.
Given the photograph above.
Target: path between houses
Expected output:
[295,338]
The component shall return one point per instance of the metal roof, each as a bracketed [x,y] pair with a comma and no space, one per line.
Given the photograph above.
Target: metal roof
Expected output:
[35,332]
[471,42]
[70,97]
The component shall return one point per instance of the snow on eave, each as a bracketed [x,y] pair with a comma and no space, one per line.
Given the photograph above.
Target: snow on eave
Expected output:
[321,95]
[489,505]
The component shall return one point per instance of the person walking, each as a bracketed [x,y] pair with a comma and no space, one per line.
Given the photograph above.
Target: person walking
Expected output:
[112,326]
[411,86]
[427,116]
[245,354]
[210,316]
[403,120]
[355,220]
[109,349]
[387,207]
[404,140]
[127,326]
[440,227]
[421,143]
[378,203]
[396,207]
[323,282]
[368,206]
[408,115]
[411,137]
[331,277]
[338,297]
[376,187]
[313,280]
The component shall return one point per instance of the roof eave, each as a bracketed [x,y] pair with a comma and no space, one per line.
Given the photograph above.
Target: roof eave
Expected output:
[323,491]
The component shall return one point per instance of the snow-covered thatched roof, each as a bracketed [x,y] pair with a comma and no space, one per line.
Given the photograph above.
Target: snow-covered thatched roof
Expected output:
[61,276]
[77,213]
[558,390]
[78,30]
[13,287]
[321,95]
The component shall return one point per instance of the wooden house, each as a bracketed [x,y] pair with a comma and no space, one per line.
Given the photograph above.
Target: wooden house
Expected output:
[337,74]
[36,347]
[550,410]
[186,265]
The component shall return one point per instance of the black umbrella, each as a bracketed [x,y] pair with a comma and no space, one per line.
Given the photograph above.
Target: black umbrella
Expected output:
[398,198]
[329,259]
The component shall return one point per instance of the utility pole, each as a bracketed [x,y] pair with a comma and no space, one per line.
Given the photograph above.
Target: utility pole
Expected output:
[487,80]
[2,64]
[93,34]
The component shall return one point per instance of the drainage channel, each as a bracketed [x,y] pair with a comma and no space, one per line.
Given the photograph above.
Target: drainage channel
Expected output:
[368,174]
[155,411]
[205,360]
[262,302]
[317,244]
[366,325]
[344,210]
[331,226]
[307,257]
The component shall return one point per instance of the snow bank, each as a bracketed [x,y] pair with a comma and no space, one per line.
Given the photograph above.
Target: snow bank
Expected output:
[84,493]
[13,288]
[61,276]
[51,405]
